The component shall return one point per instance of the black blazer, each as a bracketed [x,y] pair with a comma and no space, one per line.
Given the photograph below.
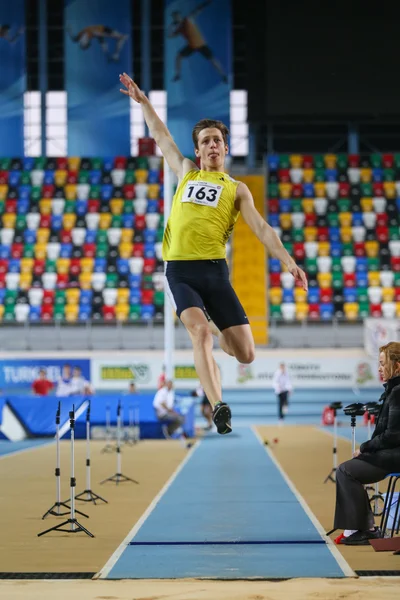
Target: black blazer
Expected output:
[383,449]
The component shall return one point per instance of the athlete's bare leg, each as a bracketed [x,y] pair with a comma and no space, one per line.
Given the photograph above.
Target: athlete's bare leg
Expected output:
[207,370]
[121,39]
[236,341]
[218,67]
[178,62]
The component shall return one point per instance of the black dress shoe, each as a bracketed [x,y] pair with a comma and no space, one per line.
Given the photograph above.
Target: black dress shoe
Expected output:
[361,538]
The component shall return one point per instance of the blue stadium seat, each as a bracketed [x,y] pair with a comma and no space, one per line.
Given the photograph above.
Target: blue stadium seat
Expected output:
[153,176]
[288,295]
[147,311]
[377,175]
[30,236]
[56,222]
[273,162]
[128,221]
[123,266]
[14,265]
[334,234]
[285,206]
[85,312]
[135,281]
[273,219]
[24,192]
[2,295]
[65,250]
[326,311]
[313,295]
[350,294]
[308,190]
[34,313]
[108,163]
[81,208]
[85,298]
[106,191]
[357,220]
[22,206]
[149,251]
[134,296]
[13,178]
[28,163]
[152,206]
[90,237]
[95,177]
[161,190]
[100,265]
[150,236]
[48,178]
[331,174]
[361,264]
[274,265]
[361,279]
[336,249]
[5,251]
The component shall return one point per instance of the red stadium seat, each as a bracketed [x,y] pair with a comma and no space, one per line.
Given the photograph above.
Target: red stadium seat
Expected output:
[66,236]
[275,280]
[93,205]
[45,221]
[284,175]
[39,266]
[388,161]
[273,206]
[359,249]
[395,263]
[62,163]
[17,250]
[89,250]
[3,177]
[378,189]
[48,191]
[108,313]
[397,294]
[46,312]
[382,234]
[310,219]
[299,251]
[48,297]
[75,266]
[129,191]
[62,280]
[3,265]
[72,177]
[354,161]
[149,265]
[326,295]
[313,312]
[140,222]
[138,249]
[308,162]
[147,146]
[11,206]
[344,189]
[297,190]
[323,234]
[349,280]
[381,219]
[147,296]
[375,310]
[120,162]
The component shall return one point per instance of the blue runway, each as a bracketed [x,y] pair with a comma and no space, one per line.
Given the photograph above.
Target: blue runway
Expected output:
[229,514]
[8,448]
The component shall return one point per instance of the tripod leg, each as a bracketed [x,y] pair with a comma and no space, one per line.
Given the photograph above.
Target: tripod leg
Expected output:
[55,528]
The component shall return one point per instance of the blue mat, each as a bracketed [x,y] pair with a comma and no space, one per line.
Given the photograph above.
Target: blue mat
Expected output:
[229,491]
[7,447]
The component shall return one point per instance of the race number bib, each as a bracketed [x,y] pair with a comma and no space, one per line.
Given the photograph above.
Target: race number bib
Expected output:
[202,192]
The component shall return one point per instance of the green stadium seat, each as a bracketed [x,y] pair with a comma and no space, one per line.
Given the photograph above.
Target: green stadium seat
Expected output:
[376,160]
[134,312]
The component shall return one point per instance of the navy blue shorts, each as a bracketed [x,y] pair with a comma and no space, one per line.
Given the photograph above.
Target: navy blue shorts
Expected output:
[205,284]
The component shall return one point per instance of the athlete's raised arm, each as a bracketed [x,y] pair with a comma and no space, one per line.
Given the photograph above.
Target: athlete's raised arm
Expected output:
[265,233]
[178,163]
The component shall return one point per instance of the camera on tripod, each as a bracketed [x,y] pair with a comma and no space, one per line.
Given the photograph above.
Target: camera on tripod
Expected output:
[354,410]
[335,405]
[373,408]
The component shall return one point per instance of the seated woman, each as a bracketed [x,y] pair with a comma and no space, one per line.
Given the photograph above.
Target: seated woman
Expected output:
[374,460]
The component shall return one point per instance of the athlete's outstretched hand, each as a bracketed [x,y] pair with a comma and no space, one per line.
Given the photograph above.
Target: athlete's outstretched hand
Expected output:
[299,275]
[132,90]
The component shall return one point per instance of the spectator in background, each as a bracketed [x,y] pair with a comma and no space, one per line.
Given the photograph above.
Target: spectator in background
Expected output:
[42,386]
[161,378]
[283,387]
[132,389]
[163,404]
[64,382]
[80,385]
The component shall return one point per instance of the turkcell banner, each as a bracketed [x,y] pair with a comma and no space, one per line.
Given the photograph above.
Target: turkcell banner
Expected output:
[21,373]
[12,77]
[97,49]
[198,65]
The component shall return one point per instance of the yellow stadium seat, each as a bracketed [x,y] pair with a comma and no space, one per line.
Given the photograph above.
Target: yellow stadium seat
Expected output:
[45,206]
[398,310]
[125,250]
[122,296]
[285,190]
[320,189]
[87,264]
[85,280]
[310,234]
[351,310]
[126,236]
[116,205]
[74,163]
[9,220]
[367,205]
[26,265]
[42,235]
[63,265]
[141,175]
[40,251]
[390,189]
[3,191]
[275,295]
[70,191]
[25,281]
[1,311]
[302,309]
[324,249]
[69,220]
[308,175]
[365,175]
[60,177]
[71,312]
[285,220]
[153,191]
[374,278]
[296,161]
[387,294]
[371,248]
[346,234]
[121,312]
[308,205]
[105,220]
[324,280]
[345,219]
[72,295]
[300,295]
[330,161]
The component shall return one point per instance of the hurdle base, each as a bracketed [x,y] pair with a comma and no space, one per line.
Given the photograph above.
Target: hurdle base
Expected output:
[108,448]
[91,497]
[59,527]
[118,478]
[57,505]
[331,476]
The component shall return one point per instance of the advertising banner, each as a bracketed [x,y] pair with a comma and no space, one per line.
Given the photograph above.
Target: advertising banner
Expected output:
[12,77]
[97,49]
[378,332]
[198,65]
[20,373]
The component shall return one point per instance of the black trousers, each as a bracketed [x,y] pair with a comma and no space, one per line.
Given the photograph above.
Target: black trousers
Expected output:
[353,509]
[283,401]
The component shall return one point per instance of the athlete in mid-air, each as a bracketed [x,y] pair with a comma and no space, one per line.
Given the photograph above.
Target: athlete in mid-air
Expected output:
[187,28]
[100,33]
[205,208]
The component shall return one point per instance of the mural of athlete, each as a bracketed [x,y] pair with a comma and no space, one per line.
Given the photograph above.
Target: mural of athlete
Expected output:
[5,33]
[100,33]
[187,28]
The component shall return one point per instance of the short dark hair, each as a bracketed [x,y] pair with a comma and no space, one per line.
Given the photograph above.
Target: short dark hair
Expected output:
[207,124]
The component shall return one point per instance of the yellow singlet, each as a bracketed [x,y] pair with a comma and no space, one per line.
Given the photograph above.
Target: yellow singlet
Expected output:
[202,217]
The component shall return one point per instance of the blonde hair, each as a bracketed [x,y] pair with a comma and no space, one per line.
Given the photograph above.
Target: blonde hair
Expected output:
[392,356]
